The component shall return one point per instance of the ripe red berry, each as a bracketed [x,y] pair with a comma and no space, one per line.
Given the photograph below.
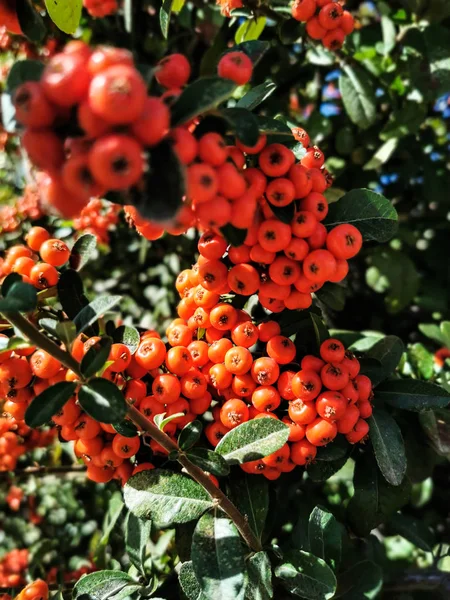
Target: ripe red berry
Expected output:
[173,71]
[236,66]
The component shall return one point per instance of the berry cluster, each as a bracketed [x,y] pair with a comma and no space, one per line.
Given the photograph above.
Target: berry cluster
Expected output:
[326,21]
[226,6]
[12,567]
[101,8]
[25,208]
[24,261]
[98,218]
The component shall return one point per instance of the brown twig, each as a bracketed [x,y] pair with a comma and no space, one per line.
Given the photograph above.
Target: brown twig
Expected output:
[41,341]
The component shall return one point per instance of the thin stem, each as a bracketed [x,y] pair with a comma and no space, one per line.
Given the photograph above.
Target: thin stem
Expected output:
[263,9]
[63,470]
[41,341]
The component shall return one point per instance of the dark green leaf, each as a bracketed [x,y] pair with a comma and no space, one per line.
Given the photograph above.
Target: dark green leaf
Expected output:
[290,30]
[165,497]
[208,460]
[374,499]
[254,49]
[9,281]
[307,576]
[102,400]
[284,213]
[48,403]
[190,434]
[70,293]
[413,530]
[164,185]
[388,445]
[200,96]
[218,558]
[49,325]
[436,424]
[30,21]
[22,71]
[332,295]
[257,95]
[324,469]
[405,120]
[259,569]
[325,536]
[22,297]
[126,428]
[251,496]
[335,451]
[94,310]
[243,124]
[189,583]
[66,332]
[412,394]
[128,335]
[320,331]
[65,14]
[137,538]
[361,581]
[104,585]
[252,440]
[82,251]
[388,352]
[371,213]
[95,357]
[358,96]
[115,508]
[274,127]
[233,235]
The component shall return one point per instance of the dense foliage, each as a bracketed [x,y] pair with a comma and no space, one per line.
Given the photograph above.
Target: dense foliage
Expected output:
[229,376]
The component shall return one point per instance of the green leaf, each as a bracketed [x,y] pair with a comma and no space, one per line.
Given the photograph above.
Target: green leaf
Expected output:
[371,213]
[31,22]
[325,536]
[284,213]
[252,440]
[274,127]
[257,95]
[70,293]
[374,500]
[102,400]
[164,17]
[362,581]
[412,394]
[128,335]
[254,49]
[389,34]
[439,334]
[165,497]
[320,331]
[95,357]
[9,281]
[259,569]
[382,155]
[335,451]
[160,196]
[115,508]
[65,14]
[290,30]
[21,297]
[358,96]
[233,235]
[307,576]
[388,445]
[393,272]
[388,352]
[48,403]
[406,120]
[23,71]
[251,496]
[66,332]
[218,558]
[208,460]
[413,530]
[244,124]
[190,434]
[436,425]
[189,583]
[200,96]
[332,295]
[126,428]
[250,30]
[14,343]
[322,470]
[104,585]
[137,538]
[49,325]
[94,310]
[82,251]
[421,360]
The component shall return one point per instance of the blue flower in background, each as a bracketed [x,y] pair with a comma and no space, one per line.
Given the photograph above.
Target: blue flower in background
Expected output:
[327,109]
[333,75]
